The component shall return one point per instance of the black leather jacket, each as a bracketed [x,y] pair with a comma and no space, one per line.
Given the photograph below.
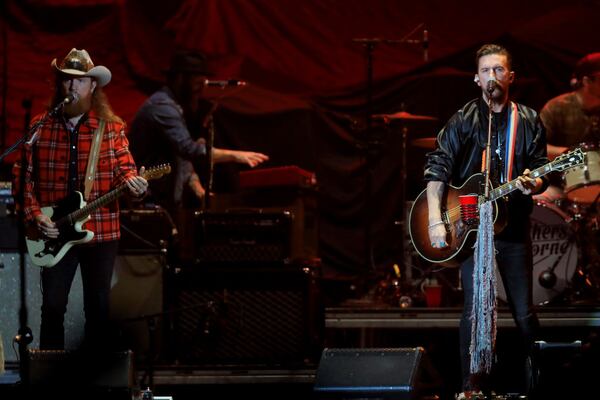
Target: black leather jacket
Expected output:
[459,153]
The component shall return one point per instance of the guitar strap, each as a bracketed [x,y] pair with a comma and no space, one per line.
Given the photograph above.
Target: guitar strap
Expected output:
[93,159]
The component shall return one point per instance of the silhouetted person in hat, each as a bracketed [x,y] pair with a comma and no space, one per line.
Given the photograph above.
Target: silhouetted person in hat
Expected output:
[160,133]
[57,154]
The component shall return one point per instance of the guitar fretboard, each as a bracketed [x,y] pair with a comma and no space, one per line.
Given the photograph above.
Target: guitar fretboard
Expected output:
[99,202]
[561,163]
[152,173]
[511,186]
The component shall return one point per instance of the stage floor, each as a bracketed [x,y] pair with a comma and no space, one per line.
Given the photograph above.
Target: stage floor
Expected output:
[433,329]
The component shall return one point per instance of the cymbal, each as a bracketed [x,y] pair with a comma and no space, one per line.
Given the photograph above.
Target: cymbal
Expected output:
[426,143]
[404,116]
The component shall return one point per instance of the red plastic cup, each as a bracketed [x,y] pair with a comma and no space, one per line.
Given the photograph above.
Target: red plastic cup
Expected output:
[468,208]
[433,295]
[468,199]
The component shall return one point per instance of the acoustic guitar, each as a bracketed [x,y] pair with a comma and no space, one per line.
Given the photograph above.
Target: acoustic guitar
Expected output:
[461,230]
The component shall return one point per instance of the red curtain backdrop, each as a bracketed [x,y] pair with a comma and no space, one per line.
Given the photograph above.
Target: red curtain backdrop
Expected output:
[305,103]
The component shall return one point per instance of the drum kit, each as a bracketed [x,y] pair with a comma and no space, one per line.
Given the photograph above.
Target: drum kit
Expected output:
[565,233]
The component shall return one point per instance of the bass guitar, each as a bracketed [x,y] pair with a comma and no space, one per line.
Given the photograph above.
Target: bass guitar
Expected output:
[460,229]
[69,215]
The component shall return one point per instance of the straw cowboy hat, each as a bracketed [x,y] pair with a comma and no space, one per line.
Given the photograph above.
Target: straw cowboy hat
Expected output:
[79,63]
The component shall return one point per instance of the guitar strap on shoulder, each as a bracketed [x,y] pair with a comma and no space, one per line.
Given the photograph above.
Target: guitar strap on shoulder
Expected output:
[93,159]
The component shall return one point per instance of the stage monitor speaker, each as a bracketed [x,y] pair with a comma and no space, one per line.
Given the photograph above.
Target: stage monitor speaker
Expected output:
[73,368]
[369,373]
[566,370]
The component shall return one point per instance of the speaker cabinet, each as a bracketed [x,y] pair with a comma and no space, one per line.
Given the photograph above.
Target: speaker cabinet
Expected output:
[369,373]
[10,304]
[247,316]
[60,367]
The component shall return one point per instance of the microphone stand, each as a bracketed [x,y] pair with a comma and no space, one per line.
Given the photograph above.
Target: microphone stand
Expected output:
[209,123]
[25,336]
[369,45]
[488,146]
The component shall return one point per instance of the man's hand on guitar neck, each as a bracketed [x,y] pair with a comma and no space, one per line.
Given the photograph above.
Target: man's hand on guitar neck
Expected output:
[46,226]
[528,185]
[137,184]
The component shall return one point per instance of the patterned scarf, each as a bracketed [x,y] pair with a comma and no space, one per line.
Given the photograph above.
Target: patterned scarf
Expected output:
[483,314]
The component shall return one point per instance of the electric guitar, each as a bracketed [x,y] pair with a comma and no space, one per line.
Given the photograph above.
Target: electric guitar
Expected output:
[69,215]
[458,230]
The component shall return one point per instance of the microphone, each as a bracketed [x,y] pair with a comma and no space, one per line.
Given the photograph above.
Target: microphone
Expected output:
[491,85]
[71,98]
[225,83]
[425,45]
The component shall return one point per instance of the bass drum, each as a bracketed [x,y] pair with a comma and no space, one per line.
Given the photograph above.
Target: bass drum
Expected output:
[554,253]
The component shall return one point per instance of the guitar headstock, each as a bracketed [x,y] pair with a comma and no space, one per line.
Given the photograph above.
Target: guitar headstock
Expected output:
[571,159]
[157,171]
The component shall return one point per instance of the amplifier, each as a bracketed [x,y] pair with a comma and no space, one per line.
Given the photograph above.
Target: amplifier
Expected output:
[265,316]
[146,230]
[242,236]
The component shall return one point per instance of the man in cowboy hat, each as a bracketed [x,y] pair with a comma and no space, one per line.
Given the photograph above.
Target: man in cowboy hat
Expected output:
[160,132]
[57,154]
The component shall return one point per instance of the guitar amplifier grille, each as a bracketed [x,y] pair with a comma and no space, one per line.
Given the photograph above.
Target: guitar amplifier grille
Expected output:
[237,316]
[243,237]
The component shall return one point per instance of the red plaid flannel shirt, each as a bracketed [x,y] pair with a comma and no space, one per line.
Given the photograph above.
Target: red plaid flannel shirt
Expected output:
[47,173]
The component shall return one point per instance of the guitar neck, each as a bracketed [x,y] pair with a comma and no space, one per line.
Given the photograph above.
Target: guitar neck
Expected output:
[511,186]
[99,202]
[77,215]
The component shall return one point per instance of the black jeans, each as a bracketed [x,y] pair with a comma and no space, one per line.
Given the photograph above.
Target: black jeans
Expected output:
[515,264]
[97,263]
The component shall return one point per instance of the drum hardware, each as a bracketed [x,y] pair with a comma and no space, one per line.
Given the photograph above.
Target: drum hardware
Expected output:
[402,117]
[555,250]
[548,278]
[585,286]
